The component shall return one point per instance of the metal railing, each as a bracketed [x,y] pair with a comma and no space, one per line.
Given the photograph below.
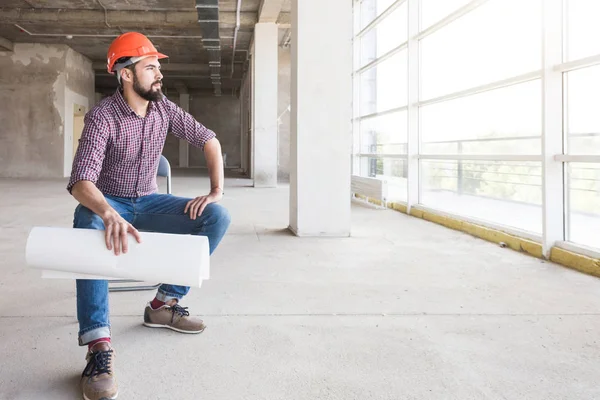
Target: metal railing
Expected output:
[456,165]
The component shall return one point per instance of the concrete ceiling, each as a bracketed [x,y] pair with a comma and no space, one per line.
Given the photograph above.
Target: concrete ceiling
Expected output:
[200,49]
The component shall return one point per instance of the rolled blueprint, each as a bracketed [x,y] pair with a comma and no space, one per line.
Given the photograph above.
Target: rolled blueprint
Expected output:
[79,253]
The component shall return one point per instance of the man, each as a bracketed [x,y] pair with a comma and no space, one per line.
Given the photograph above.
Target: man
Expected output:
[114,180]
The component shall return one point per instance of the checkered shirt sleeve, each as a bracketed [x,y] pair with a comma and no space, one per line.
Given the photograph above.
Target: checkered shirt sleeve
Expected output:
[184,126]
[89,157]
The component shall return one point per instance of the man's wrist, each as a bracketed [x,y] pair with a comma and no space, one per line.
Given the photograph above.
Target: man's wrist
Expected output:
[216,190]
[106,212]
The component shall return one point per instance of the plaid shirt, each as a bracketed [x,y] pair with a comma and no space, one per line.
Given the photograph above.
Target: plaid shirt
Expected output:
[120,151]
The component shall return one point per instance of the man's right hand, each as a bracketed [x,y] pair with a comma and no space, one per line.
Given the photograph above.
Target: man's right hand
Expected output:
[116,230]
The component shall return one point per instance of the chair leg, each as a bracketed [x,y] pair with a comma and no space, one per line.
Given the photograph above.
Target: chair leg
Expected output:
[131,288]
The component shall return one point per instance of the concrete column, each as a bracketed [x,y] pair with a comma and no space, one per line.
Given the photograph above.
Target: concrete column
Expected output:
[321,117]
[413,195]
[245,125]
[553,204]
[264,99]
[184,149]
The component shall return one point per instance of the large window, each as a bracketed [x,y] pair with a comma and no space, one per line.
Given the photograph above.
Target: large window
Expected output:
[583,139]
[387,35]
[582,110]
[383,86]
[480,134]
[381,95]
[502,121]
[584,204]
[490,43]
[371,9]
[582,29]
[385,134]
[433,11]
[507,193]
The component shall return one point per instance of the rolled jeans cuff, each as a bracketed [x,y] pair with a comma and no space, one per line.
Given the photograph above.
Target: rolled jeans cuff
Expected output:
[163,296]
[101,331]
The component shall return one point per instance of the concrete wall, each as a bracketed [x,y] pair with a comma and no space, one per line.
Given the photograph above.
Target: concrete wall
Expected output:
[80,75]
[32,98]
[283,102]
[38,86]
[222,115]
[79,94]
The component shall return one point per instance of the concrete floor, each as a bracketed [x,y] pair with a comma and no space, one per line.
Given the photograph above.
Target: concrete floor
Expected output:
[404,309]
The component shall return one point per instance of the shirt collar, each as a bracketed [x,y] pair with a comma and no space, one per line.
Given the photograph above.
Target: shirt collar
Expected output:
[124,107]
[121,103]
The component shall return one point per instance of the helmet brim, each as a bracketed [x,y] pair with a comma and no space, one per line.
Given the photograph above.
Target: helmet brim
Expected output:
[151,54]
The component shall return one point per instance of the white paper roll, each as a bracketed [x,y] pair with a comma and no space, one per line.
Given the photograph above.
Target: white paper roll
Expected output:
[161,257]
[49,274]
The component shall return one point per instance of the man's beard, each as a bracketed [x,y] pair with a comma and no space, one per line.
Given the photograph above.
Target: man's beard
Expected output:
[150,95]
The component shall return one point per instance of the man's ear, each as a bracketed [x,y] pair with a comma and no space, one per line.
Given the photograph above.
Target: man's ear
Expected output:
[126,75]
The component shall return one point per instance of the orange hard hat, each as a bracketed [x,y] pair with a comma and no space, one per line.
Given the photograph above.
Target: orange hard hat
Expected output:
[130,44]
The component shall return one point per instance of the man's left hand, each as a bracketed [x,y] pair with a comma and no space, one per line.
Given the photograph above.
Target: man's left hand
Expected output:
[197,206]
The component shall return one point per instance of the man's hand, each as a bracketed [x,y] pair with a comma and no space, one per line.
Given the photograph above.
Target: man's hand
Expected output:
[116,232]
[197,206]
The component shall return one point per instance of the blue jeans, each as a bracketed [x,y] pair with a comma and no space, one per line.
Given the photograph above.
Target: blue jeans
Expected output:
[152,213]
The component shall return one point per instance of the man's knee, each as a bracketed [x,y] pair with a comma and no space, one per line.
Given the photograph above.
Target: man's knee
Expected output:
[86,219]
[218,214]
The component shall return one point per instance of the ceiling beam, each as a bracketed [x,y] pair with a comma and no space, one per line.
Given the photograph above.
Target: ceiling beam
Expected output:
[6,45]
[123,19]
[269,10]
[209,20]
[129,19]
[285,20]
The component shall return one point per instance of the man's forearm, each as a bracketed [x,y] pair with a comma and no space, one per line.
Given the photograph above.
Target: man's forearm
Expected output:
[86,193]
[214,162]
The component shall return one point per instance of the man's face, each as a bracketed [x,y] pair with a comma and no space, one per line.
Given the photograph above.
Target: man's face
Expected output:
[147,79]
